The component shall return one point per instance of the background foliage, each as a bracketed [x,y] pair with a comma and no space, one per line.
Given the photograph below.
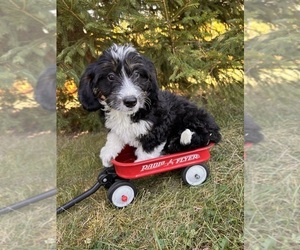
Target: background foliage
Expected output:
[272,39]
[27,47]
[196,45]
[27,39]
[272,98]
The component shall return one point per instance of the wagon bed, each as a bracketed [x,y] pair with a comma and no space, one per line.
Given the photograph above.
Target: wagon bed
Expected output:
[116,179]
[127,168]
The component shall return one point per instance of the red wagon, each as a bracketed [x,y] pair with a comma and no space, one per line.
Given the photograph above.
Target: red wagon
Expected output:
[116,179]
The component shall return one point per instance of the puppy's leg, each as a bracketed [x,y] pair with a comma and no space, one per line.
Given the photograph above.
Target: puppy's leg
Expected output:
[111,149]
[143,155]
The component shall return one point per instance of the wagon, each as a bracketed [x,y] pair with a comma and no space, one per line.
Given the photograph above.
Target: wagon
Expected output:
[121,191]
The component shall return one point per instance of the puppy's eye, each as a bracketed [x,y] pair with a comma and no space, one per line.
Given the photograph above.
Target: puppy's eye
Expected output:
[111,77]
[136,74]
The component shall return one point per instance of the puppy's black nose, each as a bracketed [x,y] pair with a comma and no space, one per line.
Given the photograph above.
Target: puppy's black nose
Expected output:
[130,101]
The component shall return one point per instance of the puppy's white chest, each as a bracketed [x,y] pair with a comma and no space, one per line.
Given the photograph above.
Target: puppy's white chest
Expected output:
[128,131]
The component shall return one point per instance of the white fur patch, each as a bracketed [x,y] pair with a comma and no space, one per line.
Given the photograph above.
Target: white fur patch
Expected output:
[127,131]
[128,88]
[186,137]
[142,155]
[123,131]
[120,52]
[111,149]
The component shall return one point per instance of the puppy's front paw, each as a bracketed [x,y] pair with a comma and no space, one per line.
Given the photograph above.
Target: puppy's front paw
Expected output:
[186,137]
[106,157]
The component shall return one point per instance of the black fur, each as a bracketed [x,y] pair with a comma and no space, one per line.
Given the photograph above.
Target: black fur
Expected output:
[174,114]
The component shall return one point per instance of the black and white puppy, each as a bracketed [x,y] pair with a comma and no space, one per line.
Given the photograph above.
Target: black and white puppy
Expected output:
[123,85]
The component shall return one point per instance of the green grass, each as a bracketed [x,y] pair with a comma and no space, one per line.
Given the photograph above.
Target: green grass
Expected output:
[166,214]
[27,169]
[272,170]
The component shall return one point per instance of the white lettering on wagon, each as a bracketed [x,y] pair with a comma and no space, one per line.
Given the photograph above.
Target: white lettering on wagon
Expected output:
[153,165]
[170,162]
[187,158]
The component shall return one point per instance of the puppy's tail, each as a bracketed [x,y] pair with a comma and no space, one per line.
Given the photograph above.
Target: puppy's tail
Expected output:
[192,139]
[186,137]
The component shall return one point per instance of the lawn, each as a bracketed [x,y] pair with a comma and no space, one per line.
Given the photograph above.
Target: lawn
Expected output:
[166,214]
[27,169]
[272,169]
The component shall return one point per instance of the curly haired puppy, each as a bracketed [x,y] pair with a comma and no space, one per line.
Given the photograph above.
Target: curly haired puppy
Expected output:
[123,85]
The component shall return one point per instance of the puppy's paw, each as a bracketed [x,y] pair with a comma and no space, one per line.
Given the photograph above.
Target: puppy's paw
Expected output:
[106,157]
[186,137]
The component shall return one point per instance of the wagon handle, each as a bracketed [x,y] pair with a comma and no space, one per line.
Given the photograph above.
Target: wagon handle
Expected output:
[105,178]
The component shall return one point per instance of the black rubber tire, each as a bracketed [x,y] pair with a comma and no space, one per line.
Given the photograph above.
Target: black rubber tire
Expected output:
[121,193]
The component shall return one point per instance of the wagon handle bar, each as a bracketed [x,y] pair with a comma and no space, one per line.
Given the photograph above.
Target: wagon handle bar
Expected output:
[106,176]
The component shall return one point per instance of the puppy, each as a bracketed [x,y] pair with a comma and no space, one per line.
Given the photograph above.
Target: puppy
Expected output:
[123,85]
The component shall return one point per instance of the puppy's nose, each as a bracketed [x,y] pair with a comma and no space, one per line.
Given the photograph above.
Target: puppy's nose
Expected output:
[130,101]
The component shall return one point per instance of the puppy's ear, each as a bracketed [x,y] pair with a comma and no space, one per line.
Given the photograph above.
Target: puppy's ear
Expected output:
[85,91]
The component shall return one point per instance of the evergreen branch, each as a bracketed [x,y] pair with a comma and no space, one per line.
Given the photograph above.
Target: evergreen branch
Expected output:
[183,9]
[23,10]
[169,25]
[27,48]
[17,6]
[68,8]
[110,10]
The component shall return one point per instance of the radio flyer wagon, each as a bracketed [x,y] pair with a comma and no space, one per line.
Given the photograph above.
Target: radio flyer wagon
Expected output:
[121,192]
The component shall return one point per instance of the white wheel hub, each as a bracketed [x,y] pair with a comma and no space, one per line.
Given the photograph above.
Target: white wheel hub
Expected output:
[122,196]
[196,175]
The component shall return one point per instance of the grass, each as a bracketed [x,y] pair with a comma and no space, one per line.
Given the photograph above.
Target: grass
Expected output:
[166,214]
[272,186]
[27,169]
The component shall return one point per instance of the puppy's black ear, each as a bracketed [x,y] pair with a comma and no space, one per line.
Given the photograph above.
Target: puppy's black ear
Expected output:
[85,91]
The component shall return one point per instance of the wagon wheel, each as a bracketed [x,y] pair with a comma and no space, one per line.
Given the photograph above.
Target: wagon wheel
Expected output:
[195,175]
[121,193]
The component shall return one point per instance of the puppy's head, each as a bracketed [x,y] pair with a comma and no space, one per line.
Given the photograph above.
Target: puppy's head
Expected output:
[121,79]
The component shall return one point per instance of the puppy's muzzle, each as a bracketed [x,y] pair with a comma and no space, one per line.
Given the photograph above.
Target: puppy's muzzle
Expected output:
[130,101]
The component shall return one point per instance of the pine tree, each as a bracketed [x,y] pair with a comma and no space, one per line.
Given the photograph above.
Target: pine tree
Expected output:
[27,39]
[272,38]
[196,46]
[192,43]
